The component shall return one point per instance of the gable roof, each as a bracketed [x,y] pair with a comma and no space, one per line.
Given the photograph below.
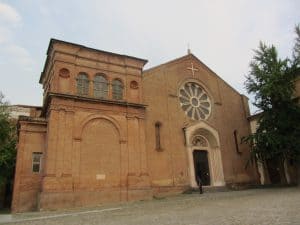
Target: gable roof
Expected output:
[191,56]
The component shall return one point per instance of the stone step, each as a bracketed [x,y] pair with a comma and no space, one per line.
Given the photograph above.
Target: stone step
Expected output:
[214,189]
[208,189]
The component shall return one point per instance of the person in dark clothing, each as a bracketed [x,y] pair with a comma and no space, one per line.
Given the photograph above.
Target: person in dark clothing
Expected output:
[199,182]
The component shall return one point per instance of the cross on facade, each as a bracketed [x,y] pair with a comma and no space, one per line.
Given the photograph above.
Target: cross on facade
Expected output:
[193,69]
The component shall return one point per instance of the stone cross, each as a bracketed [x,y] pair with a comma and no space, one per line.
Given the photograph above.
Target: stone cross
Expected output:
[192,69]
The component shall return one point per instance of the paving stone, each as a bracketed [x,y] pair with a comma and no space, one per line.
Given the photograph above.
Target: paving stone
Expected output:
[276,206]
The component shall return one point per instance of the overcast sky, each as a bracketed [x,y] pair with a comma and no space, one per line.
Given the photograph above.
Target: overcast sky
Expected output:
[222,34]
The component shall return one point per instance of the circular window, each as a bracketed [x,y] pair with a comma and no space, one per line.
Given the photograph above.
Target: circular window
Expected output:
[134,85]
[194,101]
[65,73]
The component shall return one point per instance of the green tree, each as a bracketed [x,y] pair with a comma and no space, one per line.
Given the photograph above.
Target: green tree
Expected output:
[272,81]
[296,52]
[7,143]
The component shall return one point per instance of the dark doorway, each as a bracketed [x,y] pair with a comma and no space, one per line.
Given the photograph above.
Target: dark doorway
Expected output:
[201,166]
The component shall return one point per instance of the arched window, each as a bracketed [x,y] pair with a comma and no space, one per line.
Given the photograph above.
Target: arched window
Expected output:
[82,84]
[157,136]
[117,90]
[100,86]
[199,140]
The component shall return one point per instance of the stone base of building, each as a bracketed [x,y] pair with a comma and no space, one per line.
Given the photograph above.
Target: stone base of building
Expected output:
[165,191]
[63,200]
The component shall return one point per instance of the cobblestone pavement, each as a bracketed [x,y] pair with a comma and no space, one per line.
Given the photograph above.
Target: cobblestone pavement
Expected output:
[276,206]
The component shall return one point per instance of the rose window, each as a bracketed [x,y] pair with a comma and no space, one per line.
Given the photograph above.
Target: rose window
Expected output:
[194,101]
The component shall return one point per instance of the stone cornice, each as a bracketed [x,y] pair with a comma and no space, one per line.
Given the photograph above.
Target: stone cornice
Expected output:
[36,120]
[51,95]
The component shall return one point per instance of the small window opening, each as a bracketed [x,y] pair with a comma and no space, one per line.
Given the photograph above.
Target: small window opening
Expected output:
[235,134]
[157,136]
[36,162]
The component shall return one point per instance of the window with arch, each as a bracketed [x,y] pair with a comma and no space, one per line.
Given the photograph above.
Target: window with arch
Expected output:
[117,89]
[157,136]
[82,84]
[200,141]
[100,86]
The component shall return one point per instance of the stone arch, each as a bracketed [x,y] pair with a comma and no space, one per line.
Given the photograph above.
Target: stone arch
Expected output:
[212,140]
[214,152]
[84,123]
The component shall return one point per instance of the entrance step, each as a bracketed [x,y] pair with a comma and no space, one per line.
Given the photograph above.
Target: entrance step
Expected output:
[208,189]
[211,189]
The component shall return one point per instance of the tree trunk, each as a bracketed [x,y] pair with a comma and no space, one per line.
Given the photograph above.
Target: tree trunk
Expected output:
[283,179]
[288,171]
[266,173]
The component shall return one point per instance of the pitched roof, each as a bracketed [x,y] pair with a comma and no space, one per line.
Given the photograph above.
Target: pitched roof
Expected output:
[190,55]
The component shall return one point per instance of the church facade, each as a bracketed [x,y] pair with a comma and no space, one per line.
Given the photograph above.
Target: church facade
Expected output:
[110,131]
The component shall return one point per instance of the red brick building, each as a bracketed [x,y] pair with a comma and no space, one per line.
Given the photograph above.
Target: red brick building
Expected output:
[110,131]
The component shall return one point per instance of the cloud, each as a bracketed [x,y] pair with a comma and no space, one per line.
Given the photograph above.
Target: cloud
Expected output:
[9,19]
[9,14]
[11,52]
[19,56]
[221,33]
[5,34]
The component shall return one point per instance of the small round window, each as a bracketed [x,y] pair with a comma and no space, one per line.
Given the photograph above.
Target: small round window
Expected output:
[194,101]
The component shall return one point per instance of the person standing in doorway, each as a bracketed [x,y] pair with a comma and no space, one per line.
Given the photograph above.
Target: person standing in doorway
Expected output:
[199,182]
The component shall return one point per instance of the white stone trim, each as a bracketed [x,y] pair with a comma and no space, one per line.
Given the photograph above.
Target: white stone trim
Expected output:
[214,153]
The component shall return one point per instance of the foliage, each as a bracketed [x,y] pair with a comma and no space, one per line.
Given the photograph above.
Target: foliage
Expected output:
[296,53]
[7,143]
[272,81]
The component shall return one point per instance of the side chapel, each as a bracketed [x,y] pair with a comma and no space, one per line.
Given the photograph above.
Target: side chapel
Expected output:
[110,131]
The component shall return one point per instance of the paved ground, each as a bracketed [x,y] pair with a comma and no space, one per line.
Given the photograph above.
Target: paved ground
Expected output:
[277,206]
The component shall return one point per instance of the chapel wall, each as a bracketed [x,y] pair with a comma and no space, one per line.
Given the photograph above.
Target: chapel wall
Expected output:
[234,118]
[67,61]
[84,129]
[27,184]
[77,146]
[73,178]
[169,167]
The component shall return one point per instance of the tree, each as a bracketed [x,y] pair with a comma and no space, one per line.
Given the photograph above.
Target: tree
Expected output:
[296,52]
[7,143]
[272,81]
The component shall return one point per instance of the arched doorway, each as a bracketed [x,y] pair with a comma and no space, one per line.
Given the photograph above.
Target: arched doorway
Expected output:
[201,166]
[204,155]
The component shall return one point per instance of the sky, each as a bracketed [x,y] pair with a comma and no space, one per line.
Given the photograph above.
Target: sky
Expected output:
[222,34]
